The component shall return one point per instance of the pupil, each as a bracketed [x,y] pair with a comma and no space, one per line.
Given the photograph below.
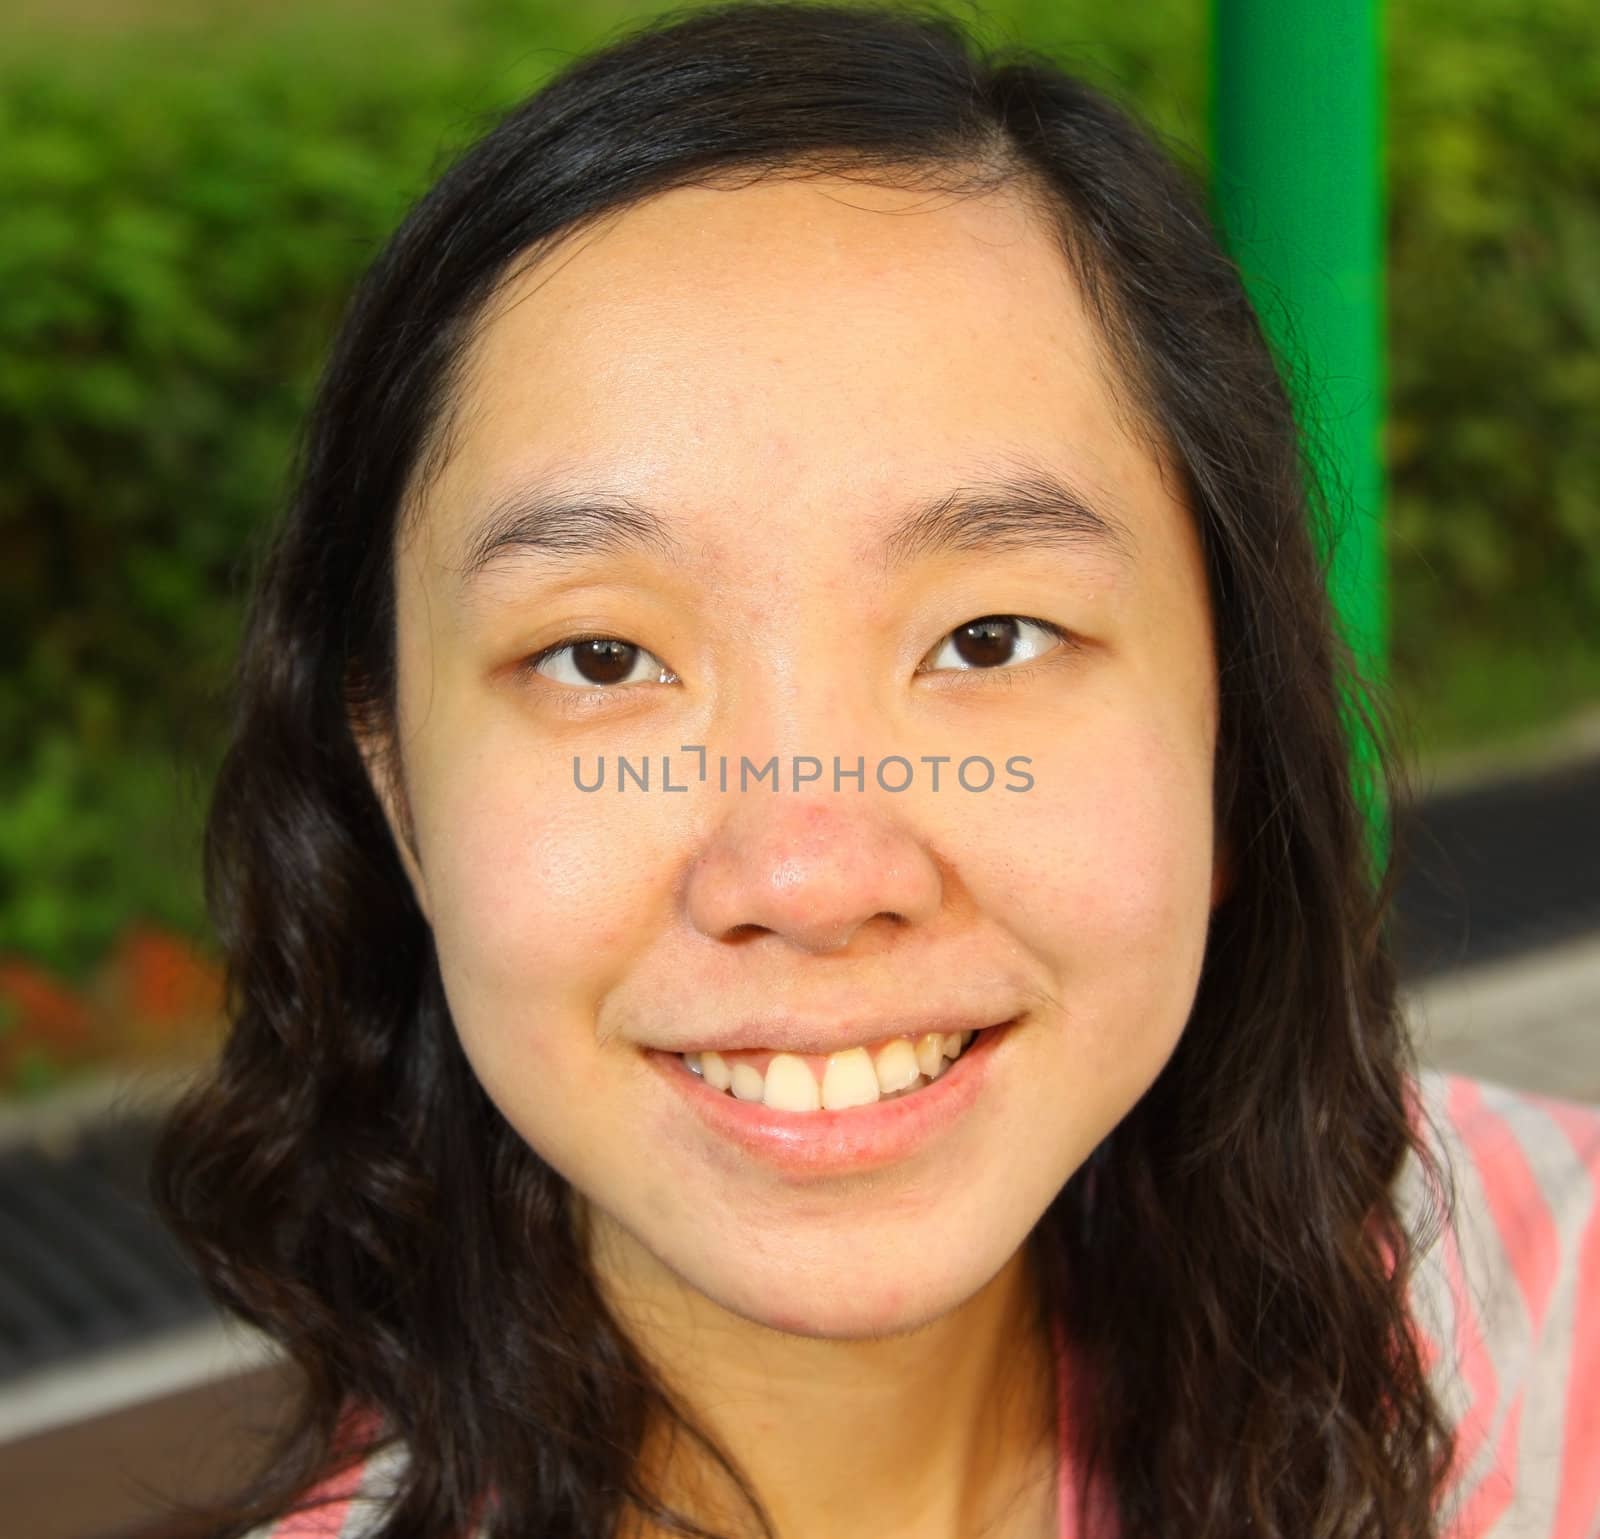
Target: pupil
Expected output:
[604,662]
[986,643]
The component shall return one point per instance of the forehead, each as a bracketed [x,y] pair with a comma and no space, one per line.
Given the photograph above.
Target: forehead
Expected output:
[790,348]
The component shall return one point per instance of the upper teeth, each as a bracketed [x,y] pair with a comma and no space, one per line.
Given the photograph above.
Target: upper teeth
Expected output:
[854,1077]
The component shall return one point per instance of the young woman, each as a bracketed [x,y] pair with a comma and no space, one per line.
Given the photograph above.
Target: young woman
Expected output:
[803,955]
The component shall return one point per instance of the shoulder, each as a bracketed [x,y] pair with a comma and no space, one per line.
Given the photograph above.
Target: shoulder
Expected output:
[1507,1301]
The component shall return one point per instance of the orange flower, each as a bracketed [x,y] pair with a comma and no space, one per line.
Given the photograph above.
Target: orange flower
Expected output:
[41,1016]
[162,992]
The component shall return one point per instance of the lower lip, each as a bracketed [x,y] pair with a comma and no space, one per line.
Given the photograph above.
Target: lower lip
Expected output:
[833,1143]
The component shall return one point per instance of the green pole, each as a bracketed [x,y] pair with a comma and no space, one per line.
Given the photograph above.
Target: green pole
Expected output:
[1298,198]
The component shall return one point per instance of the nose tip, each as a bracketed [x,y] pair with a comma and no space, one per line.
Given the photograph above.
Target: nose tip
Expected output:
[816,875]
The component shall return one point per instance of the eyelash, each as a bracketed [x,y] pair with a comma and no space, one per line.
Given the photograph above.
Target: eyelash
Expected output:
[529,666]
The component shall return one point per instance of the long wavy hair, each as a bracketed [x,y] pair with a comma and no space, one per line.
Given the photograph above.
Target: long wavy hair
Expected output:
[1230,1266]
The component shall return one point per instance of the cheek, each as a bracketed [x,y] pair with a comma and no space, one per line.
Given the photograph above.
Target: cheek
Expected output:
[536,893]
[1107,873]
[539,908]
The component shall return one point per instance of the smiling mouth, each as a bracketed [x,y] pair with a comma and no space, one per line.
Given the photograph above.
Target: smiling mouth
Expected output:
[857,1076]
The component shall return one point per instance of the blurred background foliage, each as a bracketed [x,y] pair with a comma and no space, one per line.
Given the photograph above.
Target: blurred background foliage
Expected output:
[188,192]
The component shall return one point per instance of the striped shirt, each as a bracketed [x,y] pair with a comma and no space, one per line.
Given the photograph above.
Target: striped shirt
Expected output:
[1507,1304]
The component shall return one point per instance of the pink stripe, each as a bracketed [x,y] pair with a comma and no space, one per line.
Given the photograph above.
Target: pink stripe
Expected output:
[357,1427]
[1101,1507]
[1529,1236]
[1472,1356]
[1516,1203]
[1431,1350]
[1580,1469]
[1492,1495]
[327,1521]
[1065,1526]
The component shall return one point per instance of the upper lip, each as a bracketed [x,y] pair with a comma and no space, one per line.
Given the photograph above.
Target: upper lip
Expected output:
[791,1034]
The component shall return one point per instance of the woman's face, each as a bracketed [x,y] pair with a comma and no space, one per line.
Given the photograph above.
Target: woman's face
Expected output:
[768,382]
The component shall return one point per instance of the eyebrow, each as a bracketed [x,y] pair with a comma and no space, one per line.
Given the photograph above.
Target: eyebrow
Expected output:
[1027,510]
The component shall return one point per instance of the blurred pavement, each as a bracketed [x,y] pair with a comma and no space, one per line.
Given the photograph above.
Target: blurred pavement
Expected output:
[1532,1021]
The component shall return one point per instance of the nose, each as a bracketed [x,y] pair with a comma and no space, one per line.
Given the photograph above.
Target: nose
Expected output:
[814,868]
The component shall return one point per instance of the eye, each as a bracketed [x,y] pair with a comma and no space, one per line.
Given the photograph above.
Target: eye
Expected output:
[990,644]
[598,662]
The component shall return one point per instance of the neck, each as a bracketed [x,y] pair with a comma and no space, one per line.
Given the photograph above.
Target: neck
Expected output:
[943,1431]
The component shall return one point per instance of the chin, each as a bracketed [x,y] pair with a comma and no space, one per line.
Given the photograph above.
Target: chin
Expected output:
[861,1309]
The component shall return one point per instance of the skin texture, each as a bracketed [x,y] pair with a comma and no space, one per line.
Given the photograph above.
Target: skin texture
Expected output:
[778,369]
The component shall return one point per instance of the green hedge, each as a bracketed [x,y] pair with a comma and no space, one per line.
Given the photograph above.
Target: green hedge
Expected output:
[1494,444]
[180,224]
